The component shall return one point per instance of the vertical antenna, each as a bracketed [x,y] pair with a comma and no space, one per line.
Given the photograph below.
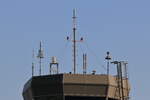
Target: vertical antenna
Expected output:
[84,63]
[33,63]
[108,58]
[74,41]
[40,56]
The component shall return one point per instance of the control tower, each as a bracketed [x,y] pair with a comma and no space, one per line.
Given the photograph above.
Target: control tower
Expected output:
[73,86]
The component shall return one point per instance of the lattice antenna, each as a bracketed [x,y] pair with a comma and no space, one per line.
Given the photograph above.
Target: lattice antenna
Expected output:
[74,41]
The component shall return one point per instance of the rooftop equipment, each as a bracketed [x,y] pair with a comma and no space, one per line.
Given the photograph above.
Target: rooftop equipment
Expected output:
[54,66]
[56,86]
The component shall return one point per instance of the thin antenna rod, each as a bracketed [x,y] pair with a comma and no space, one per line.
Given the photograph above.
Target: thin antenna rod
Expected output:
[74,41]
[40,56]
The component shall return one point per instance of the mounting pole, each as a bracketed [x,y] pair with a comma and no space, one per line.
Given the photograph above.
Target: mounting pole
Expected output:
[127,78]
[32,69]
[108,58]
[40,56]
[120,78]
[84,63]
[33,63]
[74,41]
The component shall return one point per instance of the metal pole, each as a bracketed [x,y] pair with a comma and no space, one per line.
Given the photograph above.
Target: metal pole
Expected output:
[107,67]
[74,50]
[50,68]
[40,67]
[33,63]
[85,63]
[74,42]
[57,69]
[126,76]
[118,76]
[107,79]
[108,58]
[121,81]
[32,69]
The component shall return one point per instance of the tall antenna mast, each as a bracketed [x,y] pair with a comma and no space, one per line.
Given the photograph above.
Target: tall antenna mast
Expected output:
[74,41]
[40,56]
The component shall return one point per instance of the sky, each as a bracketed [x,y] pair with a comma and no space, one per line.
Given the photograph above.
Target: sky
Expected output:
[119,26]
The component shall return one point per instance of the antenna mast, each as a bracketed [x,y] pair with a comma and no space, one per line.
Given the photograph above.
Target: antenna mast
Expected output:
[40,56]
[74,41]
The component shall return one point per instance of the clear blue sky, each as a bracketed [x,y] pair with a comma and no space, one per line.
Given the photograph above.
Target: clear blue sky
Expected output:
[120,26]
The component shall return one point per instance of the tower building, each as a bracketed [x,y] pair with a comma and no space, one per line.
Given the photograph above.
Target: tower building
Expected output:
[75,86]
